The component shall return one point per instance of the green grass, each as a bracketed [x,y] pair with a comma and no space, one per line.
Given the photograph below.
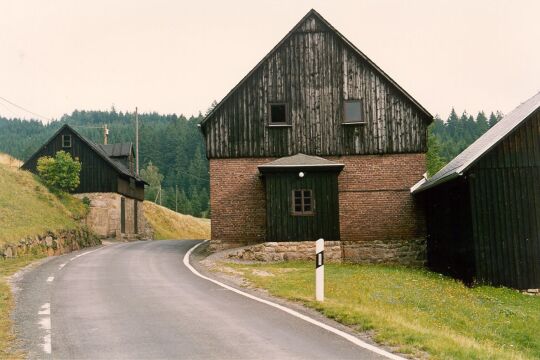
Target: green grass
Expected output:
[7,339]
[28,208]
[416,311]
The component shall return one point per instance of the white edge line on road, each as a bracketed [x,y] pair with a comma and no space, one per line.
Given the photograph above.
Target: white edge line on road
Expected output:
[50,279]
[45,324]
[343,334]
[84,253]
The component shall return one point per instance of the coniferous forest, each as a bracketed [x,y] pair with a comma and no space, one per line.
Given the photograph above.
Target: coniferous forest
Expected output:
[172,154]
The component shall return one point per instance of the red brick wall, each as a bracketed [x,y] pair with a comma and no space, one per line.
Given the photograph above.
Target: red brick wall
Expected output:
[237,201]
[379,219]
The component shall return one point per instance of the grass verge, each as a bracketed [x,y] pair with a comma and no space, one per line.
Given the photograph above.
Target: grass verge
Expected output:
[7,339]
[168,224]
[416,311]
[27,208]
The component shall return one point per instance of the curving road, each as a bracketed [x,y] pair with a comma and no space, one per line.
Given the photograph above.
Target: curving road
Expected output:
[138,301]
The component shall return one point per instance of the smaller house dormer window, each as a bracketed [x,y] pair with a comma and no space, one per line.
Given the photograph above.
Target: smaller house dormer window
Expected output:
[278,115]
[66,141]
[353,112]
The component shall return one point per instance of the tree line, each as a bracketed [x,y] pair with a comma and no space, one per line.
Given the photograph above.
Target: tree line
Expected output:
[172,145]
[172,157]
[449,138]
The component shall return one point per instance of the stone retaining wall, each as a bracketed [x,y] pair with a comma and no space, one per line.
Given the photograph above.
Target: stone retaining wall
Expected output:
[51,243]
[280,251]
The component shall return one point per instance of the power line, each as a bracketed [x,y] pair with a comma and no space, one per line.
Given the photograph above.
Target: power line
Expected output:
[22,108]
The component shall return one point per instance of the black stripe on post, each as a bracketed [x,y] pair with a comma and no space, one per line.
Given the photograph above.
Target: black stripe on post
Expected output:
[319,259]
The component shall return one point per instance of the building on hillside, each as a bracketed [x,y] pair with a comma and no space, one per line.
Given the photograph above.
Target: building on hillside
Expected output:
[483,208]
[107,178]
[317,141]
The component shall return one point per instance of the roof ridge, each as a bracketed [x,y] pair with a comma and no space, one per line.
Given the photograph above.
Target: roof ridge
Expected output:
[343,38]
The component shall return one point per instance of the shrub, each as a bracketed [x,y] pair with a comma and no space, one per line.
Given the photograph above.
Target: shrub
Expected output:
[59,173]
[86,201]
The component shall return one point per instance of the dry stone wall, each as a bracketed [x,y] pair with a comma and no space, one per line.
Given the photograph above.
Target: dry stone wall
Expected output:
[51,243]
[282,251]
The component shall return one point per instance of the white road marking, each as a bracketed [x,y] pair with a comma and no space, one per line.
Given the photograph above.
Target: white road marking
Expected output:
[61,266]
[338,332]
[50,279]
[84,253]
[45,324]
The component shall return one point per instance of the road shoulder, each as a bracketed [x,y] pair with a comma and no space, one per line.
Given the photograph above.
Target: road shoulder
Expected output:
[212,266]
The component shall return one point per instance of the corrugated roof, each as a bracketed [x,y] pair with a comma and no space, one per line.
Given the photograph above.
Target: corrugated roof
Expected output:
[117,150]
[483,144]
[300,160]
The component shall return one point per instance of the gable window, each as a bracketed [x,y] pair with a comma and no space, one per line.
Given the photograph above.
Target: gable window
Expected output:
[353,112]
[66,141]
[278,114]
[302,202]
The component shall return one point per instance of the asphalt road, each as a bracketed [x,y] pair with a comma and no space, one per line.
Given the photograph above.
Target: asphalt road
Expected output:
[139,301]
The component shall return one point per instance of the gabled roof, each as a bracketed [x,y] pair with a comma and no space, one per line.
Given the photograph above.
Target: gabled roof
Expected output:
[482,145]
[118,149]
[319,17]
[115,163]
[300,161]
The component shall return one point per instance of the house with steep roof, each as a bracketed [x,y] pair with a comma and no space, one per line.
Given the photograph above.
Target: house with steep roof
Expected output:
[107,179]
[318,141]
[483,207]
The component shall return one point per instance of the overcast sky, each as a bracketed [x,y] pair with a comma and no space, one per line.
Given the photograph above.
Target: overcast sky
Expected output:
[178,56]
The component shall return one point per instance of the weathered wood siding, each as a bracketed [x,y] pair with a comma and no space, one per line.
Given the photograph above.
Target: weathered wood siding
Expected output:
[283,226]
[505,193]
[314,71]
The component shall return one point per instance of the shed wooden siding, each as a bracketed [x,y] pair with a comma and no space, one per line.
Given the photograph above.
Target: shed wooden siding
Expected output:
[314,71]
[96,174]
[283,226]
[505,200]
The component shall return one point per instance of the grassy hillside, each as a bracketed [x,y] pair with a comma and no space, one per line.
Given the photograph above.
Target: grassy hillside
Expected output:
[168,224]
[10,161]
[28,208]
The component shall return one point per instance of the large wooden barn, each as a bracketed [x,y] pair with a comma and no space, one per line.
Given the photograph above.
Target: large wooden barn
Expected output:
[317,141]
[107,178]
[483,208]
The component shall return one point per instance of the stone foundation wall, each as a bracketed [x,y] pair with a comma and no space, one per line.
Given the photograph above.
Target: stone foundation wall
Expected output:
[280,251]
[105,212]
[51,243]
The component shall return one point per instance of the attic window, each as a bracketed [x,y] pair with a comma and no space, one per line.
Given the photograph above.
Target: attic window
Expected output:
[278,114]
[66,141]
[302,202]
[353,112]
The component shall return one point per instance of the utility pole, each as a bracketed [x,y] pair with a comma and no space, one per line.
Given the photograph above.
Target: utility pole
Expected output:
[136,142]
[176,198]
[105,134]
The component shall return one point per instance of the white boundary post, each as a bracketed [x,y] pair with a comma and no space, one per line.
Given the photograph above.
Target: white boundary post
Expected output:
[319,270]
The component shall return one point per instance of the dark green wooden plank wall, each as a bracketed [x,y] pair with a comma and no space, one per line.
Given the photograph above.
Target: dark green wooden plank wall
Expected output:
[505,195]
[282,226]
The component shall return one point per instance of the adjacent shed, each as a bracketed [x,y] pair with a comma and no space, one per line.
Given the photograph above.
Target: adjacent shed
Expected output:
[483,208]
[107,178]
